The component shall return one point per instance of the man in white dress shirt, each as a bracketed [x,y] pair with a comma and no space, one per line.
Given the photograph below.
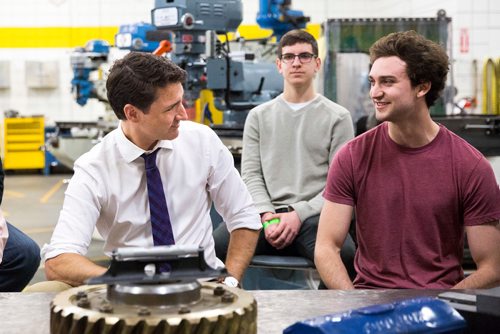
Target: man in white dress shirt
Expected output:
[108,189]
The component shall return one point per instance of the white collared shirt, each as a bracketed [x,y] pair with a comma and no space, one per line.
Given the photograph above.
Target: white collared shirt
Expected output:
[108,190]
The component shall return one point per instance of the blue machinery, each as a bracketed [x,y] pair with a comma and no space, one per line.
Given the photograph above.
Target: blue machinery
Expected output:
[84,61]
[278,16]
[238,82]
[222,83]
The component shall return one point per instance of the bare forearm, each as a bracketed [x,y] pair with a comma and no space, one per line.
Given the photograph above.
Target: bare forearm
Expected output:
[480,279]
[483,244]
[331,269]
[240,251]
[72,269]
[333,227]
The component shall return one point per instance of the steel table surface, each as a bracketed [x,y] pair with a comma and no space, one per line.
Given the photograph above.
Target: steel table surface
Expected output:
[28,313]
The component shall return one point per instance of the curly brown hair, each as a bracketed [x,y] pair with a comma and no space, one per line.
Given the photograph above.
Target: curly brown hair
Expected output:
[426,61]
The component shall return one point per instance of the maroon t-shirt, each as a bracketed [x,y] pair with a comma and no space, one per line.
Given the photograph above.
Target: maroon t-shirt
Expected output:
[411,206]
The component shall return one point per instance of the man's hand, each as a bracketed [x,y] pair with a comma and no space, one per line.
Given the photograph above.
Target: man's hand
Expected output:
[283,234]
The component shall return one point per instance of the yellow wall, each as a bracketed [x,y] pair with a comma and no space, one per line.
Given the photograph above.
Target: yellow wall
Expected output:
[56,37]
[70,37]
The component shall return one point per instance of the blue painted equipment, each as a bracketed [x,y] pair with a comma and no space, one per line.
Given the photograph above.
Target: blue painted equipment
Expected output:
[237,80]
[135,37]
[420,315]
[84,61]
[277,15]
[140,37]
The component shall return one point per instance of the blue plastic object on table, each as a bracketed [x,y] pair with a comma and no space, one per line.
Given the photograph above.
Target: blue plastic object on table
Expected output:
[420,315]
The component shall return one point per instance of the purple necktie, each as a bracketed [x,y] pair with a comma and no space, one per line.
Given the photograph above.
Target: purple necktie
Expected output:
[160,220]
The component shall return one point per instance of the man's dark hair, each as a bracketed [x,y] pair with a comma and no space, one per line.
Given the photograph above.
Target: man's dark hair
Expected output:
[426,61]
[136,78]
[297,37]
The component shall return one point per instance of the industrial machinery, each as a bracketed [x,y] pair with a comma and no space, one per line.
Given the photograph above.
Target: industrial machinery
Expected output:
[84,61]
[278,16]
[71,139]
[88,77]
[140,37]
[222,84]
[90,65]
[238,81]
[137,296]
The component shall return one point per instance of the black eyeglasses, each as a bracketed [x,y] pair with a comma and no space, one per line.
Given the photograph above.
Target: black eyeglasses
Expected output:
[303,57]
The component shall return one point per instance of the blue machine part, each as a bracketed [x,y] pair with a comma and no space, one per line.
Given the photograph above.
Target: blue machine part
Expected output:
[420,315]
[81,86]
[191,19]
[139,37]
[97,46]
[84,61]
[277,15]
[197,15]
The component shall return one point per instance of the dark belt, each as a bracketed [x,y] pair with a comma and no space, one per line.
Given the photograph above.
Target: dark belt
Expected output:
[281,210]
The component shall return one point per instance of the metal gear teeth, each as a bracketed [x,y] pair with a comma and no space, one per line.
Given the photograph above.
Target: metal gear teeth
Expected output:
[68,320]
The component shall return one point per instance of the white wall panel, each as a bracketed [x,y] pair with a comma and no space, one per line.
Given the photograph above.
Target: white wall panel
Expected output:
[47,13]
[4,74]
[56,104]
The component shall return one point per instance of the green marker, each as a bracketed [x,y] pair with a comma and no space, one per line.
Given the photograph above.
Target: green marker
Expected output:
[270,222]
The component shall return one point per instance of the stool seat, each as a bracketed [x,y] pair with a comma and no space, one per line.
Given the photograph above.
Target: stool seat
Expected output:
[282,262]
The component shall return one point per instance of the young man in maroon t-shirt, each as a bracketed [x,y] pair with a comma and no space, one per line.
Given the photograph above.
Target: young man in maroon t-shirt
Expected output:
[414,185]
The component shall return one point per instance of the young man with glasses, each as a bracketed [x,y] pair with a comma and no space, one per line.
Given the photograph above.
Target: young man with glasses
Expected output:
[288,144]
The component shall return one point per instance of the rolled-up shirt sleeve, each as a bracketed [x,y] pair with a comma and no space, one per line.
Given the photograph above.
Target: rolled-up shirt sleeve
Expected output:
[230,195]
[78,217]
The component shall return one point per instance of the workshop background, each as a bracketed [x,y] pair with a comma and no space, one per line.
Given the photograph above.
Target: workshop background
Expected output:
[38,37]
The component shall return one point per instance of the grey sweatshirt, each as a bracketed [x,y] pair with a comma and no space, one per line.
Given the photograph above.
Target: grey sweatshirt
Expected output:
[286,153]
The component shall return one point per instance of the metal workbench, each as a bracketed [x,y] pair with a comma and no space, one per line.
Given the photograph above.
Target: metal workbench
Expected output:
[25,313]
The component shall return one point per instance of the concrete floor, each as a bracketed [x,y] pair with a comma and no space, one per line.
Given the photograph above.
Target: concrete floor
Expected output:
[32,203]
